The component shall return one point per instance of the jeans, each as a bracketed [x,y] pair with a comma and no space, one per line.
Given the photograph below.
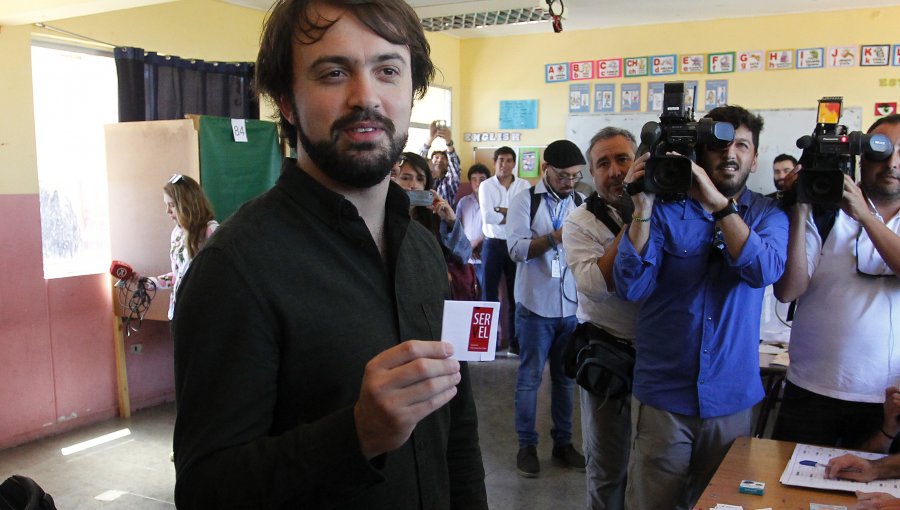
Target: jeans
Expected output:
[495,262]
[542,339]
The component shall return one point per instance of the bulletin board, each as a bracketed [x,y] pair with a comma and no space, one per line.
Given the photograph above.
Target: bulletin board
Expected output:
[140,158]
[781,129]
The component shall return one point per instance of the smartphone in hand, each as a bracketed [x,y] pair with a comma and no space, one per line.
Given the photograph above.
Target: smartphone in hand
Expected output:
[422,198]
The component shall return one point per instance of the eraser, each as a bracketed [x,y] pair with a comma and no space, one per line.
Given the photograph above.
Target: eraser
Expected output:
[752,487]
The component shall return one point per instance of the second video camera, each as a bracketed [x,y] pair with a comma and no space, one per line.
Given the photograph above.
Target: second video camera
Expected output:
[830,152]
[676,131]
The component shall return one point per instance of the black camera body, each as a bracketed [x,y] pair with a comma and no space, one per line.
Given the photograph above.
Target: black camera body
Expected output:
[830,152]
[676,131]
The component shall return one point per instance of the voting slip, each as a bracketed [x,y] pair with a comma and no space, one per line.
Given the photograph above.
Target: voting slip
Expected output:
[471,326]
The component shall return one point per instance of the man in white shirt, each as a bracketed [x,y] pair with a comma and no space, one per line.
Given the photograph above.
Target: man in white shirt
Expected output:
[590,247]
[494,195]
[844,346]
[468,210]
[545,303]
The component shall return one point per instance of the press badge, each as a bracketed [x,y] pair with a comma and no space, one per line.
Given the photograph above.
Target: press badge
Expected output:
[554,267]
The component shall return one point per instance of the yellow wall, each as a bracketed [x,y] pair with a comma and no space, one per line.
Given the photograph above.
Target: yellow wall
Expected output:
[481,72]
[495,69]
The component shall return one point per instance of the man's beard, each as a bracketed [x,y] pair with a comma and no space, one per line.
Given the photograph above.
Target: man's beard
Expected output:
[341,164]
[730,188]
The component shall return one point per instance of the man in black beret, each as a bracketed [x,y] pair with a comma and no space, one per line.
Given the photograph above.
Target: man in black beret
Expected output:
[546,302]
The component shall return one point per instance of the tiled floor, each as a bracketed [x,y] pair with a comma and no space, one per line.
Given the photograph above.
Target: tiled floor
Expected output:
[138,465]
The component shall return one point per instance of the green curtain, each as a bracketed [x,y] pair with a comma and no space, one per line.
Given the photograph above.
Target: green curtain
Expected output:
[232,173]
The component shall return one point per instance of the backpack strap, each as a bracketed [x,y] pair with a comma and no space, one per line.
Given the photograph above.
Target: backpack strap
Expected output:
[536,201]
[598,207]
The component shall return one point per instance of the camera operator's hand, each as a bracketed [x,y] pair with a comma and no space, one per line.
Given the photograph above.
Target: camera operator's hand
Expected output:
[639,231]
[854,203]
[704,191]
[643,201]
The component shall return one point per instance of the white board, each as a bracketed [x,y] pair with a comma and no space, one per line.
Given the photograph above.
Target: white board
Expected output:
[781,129]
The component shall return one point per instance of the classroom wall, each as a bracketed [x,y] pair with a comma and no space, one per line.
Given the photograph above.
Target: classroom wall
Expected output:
[494,69]
[56,336]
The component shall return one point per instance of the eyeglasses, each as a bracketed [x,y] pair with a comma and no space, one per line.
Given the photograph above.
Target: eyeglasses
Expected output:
[873,266]
[566,177]
[175,178]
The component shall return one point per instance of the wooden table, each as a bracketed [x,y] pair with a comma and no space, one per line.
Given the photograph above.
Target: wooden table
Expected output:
[763,460]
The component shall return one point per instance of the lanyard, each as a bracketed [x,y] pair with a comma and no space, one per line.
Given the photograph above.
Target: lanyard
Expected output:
[555,212]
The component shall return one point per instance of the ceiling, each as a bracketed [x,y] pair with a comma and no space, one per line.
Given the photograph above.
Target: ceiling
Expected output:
[578,15]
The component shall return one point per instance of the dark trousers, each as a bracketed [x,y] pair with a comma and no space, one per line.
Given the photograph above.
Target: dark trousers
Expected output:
[496,262]
[810,418]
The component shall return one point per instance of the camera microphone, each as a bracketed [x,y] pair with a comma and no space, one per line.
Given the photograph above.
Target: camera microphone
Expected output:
[120,270]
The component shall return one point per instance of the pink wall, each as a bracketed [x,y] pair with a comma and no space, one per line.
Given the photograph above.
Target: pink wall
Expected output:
[57,360]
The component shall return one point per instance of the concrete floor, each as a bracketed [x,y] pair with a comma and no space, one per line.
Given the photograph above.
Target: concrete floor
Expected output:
[138,466]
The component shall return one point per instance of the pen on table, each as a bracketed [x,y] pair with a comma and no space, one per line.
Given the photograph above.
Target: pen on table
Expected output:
[812,463]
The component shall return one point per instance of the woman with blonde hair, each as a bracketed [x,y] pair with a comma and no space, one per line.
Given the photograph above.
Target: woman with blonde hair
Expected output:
[194,223]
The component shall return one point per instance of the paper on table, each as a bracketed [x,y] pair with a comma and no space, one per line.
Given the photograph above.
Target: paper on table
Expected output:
[808,476]
[471,326]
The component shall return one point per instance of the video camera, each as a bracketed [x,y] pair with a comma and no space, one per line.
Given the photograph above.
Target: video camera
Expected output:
[829,153]
[676,131]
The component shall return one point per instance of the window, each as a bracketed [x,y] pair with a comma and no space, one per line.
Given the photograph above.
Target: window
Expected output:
[75,94]
[434,106]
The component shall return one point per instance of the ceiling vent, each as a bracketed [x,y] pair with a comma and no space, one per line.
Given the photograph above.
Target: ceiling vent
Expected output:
[486,19]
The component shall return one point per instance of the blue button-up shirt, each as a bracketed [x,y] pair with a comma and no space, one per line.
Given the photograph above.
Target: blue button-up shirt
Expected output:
[698,329]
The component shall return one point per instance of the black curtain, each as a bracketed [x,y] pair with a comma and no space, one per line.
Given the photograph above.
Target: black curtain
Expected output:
[156,87]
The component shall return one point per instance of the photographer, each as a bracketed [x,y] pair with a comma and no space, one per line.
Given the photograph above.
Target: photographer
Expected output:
[844,349]
[445,164]
[700,266]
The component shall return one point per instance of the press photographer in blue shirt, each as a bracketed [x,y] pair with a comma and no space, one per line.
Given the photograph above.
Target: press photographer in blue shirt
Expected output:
[699,264]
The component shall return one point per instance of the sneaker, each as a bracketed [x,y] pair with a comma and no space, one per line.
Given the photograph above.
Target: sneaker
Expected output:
[568,456]
[527,463]
[513,349]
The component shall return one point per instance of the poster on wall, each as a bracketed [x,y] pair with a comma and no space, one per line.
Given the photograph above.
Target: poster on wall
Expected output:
[777,60]
[609,68]
[655,96]
[529,162]
[885,109]
[895,59]
[636,66]
[662,64]
[875,55]
[716,94]
[604,97]
[580,98]
[749,60]
[581,70]
[719,63]
[556,72]
[842,56]
[695,63]
[810,58]
[522,114]
[690,93]
[631,97]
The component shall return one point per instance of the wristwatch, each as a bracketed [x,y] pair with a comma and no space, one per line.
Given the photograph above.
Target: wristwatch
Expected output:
[731,208]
